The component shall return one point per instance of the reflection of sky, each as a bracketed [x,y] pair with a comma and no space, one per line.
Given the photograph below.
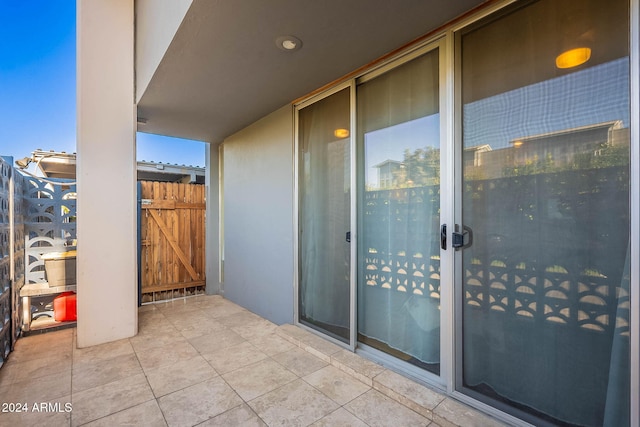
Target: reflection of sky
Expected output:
[391,142]
[595,95]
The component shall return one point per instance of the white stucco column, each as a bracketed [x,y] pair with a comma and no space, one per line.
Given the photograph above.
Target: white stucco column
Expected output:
[212,225]
[106,172]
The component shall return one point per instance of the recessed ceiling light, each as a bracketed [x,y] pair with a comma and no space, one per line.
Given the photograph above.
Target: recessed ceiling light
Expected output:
[289,43]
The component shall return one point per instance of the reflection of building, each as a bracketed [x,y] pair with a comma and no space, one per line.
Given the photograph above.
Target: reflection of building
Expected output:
[472,156]
[388,173]
[564,149]
[564,145]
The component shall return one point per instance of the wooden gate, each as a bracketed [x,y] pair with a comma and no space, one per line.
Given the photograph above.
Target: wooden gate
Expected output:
[172,240]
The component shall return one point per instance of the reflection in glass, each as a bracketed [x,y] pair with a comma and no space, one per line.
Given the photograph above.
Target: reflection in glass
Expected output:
[546,190]
[324,199]
[399,263]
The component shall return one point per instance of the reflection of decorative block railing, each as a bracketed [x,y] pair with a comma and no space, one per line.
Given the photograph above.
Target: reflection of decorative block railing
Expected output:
[551,247]
[405,257]
[415,275]
[50,212]
[549,294]
[547,247]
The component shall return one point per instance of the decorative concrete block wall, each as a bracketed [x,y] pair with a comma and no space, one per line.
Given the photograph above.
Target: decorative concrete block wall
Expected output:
[50,222]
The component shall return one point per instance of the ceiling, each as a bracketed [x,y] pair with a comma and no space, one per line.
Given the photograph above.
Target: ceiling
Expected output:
[223,70]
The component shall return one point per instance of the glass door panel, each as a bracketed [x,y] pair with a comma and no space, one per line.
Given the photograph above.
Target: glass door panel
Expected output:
[325,215]
[399,212]
[545,165]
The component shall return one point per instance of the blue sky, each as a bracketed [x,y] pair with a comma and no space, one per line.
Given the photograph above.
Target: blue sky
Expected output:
[38,87]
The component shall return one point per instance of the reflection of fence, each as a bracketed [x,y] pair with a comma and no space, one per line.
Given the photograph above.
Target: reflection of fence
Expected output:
[561,297]
[415,274]
[49,224]
[548,247]
[545,286]
[405,257]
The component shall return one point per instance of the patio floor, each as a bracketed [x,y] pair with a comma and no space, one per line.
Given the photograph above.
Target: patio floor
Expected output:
[206,361]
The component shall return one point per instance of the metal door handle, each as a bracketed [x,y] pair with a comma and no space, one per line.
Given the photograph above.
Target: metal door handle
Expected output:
[443,236]
[462,240]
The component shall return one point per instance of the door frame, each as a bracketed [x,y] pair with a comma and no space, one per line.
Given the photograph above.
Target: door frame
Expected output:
[445,85]
[454,69]
[634,188]
[296,217]
[451,207]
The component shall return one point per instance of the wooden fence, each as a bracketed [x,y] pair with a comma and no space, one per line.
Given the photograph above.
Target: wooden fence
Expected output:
[172,240]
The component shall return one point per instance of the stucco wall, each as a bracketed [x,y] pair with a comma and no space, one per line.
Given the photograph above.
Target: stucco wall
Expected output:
[156,23]
[258,217]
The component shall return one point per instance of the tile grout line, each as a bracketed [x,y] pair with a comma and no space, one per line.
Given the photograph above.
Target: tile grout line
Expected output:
[74,344]
[140,364]
[340,406]
[331,358]
[338,364]
[244,402]
[271,357]
[155,398]
[298,342]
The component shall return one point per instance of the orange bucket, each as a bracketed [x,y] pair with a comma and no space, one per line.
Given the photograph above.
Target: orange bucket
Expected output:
[64,307]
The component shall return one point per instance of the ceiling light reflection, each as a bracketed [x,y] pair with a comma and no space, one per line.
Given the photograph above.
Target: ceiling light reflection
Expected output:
[341,133]
[573,57]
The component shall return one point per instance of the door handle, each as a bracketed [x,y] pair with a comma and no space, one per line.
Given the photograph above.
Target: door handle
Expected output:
[347,237]
[462,240]
[443,236]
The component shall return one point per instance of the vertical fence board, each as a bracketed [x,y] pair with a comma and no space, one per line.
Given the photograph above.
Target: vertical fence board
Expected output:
[168,267]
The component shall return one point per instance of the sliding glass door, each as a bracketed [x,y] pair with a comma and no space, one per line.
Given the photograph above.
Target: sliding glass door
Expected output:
[491,197]
[324,219]
[399,211]
[545,190]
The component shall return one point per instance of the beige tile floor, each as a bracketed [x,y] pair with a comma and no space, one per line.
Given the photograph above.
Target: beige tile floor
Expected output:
[208,362]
